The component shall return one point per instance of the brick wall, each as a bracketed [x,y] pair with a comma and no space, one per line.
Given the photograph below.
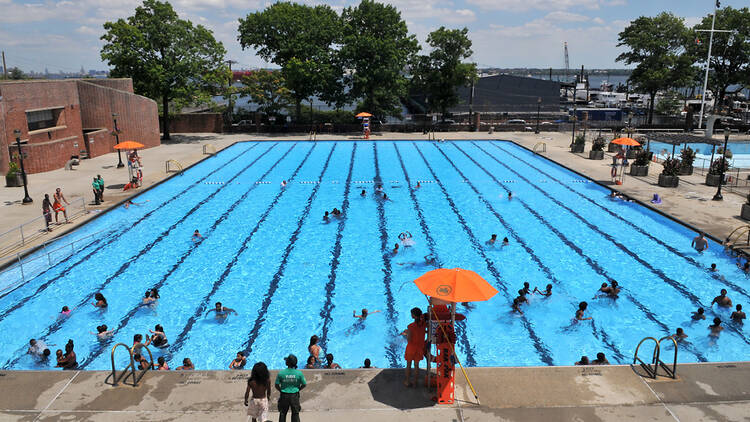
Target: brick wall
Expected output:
[137,117]
[194,123]
[49,149]
[84,104]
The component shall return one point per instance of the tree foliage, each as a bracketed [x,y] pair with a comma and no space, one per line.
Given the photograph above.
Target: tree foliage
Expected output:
[376,48]
[267,89]
[299,39]
[440,72]
[730,54]
[656,45]
[168,58]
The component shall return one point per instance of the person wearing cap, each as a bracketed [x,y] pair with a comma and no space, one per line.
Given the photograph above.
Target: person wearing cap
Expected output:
[289,382]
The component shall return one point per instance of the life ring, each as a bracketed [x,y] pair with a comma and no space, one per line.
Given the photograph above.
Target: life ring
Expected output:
[613,172]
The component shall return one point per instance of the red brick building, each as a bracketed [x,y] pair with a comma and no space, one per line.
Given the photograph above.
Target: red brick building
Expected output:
[61,118]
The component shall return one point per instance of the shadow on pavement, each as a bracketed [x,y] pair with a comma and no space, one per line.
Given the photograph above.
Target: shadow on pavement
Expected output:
[387,387]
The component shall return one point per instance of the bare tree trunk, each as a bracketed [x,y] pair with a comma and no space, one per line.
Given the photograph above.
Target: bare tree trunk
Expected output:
[651,108]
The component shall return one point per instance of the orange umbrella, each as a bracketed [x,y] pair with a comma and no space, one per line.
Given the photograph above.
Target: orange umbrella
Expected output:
[455,285]
[129,145]
[363,114]
[626,141]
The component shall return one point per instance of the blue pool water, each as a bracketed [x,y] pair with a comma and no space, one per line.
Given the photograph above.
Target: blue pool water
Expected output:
[740,153]
[268,254]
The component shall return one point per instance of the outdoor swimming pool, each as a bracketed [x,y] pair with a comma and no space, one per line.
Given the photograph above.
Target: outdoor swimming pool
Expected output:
[740,153]
[268,254]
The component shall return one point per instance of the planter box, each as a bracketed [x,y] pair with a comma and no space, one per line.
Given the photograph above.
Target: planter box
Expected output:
[596,155]
[745,211]
[577,148]
[14,181]
[668,181]
[613,147]
[713,179]
[632,153]
[686,170]
[638,170]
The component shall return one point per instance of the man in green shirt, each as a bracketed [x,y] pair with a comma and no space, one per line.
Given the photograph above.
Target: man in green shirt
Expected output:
[289,382]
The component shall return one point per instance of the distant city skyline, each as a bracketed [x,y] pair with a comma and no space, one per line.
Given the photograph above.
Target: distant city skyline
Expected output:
[63,36]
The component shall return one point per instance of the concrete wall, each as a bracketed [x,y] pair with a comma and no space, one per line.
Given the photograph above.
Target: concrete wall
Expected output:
[47,149]
[195,123]
[98,142]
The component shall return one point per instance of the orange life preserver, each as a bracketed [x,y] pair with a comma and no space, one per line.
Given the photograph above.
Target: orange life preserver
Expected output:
[613,172]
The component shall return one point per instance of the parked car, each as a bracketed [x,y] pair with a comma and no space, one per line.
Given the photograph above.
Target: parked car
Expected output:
[242,123]
[516,122]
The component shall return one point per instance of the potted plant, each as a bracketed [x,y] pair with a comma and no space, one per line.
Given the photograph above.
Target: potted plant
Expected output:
[633,152]
[597,149]
[718,167]
[669,177]
[13,177]
[613,147]
[640,165]
[578,144]
[746,209]
[687,155]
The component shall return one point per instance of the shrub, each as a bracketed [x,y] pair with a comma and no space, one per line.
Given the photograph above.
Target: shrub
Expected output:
[671,167]
[579,140]
[642,158]
[13,169]
[719,166]
[687,155]
[598,144]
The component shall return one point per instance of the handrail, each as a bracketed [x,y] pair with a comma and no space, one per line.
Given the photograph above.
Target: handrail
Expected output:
[209,149]
[651,371]
[74,206]
[652,368]
[176,163]
[673,371]
[130,368]
[543,145]
[745,229]
[46,254]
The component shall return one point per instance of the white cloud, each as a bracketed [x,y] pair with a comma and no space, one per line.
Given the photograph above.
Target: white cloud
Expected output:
[560,16]
[87,30]
[524,5]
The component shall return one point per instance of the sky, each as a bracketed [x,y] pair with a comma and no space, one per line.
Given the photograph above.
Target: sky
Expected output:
[65,35]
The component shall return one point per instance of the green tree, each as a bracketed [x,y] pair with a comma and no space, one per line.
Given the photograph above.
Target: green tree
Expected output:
[16,74]
[299,39]
[656,45]
[168,58]
[669,103]
[439,73]
[376,48]
[266,88]
[730,54]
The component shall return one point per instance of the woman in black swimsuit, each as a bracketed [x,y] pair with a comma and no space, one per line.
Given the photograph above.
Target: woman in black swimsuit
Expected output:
[159,339]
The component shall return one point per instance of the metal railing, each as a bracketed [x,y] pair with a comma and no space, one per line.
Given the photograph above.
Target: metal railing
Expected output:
[31,230]
[652,367]
[23,269]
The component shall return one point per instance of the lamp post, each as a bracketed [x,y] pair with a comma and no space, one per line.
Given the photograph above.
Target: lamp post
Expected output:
[117,141]
[573,137]
[538,109]
[718,196]
[26,198]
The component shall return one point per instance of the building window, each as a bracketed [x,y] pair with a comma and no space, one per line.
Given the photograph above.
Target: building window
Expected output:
[42,119]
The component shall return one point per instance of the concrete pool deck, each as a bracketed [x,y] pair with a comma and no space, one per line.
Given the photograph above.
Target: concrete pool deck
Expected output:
[701,392]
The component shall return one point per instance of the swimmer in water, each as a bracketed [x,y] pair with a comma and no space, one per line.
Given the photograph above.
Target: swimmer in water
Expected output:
[325,216]
[713,268]
[283,183]
[221,311]
[102,332]
[506,242]
[745,268]
[406,239]
[378,189]
[197,236]
[492,240]
[715,328]
[580,313]
[336,212]
[547,292]
[700,243]
[430,259]
[698,315]
[364,315]
[614,290]
[363,194]
[510,196]
[385,197]
[158,338]
[418,185]
[101,302]
[738,315]
[722,299]
[128,203]
[522,297]
[526,288]
[238,362]
[147,299]
[64,312]
[679,335]
[395,249]
[516,306]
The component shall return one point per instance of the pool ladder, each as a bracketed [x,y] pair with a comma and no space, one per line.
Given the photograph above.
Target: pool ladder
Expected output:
[130,369]
[653,368]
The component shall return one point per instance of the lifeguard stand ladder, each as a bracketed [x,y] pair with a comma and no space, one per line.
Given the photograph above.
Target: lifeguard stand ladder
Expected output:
[130,368]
